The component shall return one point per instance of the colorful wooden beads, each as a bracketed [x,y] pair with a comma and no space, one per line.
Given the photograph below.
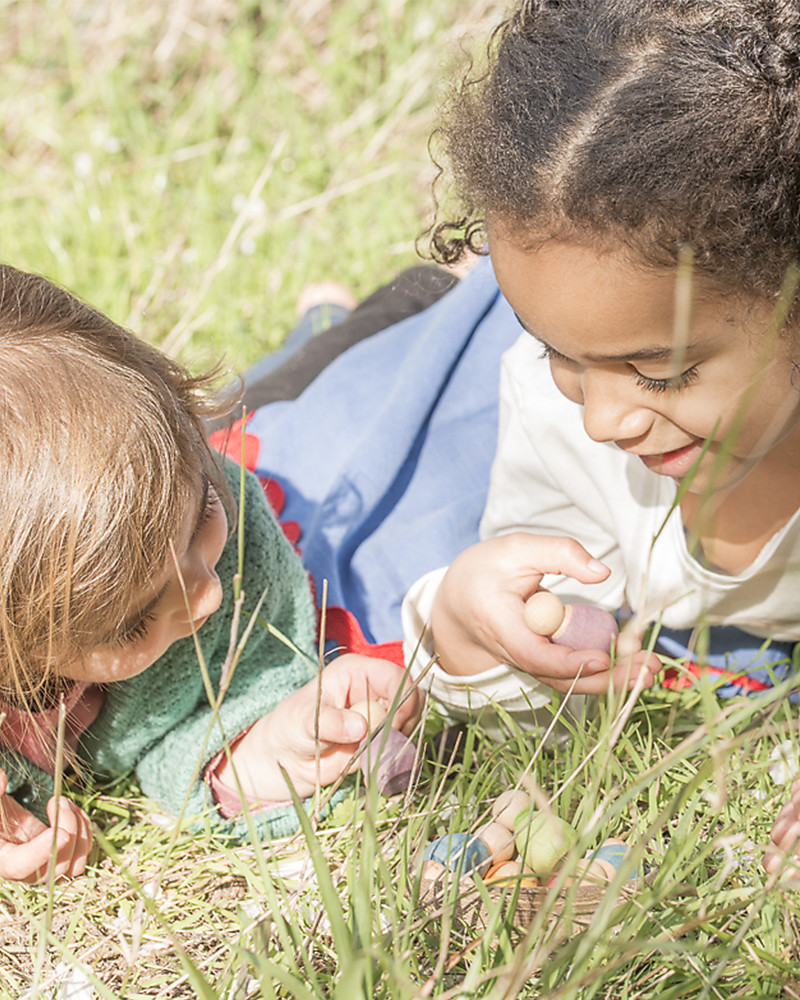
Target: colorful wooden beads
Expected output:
[601,865]
[522,847]
[579,626]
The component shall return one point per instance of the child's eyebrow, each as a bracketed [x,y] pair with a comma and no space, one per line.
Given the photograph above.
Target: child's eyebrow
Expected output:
[655,353]
[645,354]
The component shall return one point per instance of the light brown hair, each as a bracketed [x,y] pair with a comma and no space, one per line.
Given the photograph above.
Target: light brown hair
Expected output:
[102,448]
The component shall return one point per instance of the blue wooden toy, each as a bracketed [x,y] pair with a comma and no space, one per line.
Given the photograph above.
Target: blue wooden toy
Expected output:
[458,849]
[613,853]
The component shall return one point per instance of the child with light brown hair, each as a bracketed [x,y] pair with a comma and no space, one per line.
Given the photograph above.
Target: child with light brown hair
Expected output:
[117,580]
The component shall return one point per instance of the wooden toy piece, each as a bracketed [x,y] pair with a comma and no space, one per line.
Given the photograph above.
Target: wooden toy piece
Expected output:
[499,840]
[611,854]
[587,872]
[613,851]
[432,870]
[511,873]
[542,840]
[627,643]
[397,763]
[391,760]
[579,626]
[508,805]
[372,711]
[456,851]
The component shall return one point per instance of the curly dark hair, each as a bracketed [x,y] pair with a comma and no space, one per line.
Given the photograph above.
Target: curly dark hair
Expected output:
[651,124]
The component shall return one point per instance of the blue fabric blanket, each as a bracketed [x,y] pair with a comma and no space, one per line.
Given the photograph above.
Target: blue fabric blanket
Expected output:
[384,460]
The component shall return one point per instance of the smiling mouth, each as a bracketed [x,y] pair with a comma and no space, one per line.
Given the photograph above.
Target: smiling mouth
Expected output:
[676,463]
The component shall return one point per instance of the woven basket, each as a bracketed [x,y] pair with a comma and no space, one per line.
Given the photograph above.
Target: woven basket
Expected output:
[573,906]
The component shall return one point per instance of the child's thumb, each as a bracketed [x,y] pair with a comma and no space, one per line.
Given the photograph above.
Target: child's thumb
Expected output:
[340,725]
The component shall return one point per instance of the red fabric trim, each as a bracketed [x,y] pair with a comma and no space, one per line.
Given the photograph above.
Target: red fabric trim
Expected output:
[680,680]
[274,492]
[226,798]
[343,628]
[228,441]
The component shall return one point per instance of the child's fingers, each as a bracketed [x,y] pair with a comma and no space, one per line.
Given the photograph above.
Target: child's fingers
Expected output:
[543,659]
[598,679]
[74,836]
[26,862]
[558,555]
[785,835]
[351,678]
[81,844]
[778,854]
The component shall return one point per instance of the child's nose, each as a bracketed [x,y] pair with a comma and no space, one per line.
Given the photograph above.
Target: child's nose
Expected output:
[206,595]
[609,414]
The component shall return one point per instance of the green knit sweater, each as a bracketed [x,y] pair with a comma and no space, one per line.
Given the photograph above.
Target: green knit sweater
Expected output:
[157,723]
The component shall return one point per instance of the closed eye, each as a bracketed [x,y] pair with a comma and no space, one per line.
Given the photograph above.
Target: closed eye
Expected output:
[134,632]
[674,384]
[551,354]
[210,504]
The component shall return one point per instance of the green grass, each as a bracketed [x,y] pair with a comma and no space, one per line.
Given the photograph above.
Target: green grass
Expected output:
[133,135]
[337,913]
[189,167]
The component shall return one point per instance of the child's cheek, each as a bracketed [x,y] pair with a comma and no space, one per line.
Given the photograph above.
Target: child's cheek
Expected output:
[567,382]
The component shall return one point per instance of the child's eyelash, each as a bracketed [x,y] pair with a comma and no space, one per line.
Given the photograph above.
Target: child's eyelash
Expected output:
[135,632]
[674,384]
[550,354]
[211,504]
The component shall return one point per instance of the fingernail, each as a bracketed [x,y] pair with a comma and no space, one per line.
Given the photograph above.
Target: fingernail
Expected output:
[596,566]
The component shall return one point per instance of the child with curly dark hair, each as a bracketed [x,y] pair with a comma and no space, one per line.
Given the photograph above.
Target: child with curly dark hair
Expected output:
[633,167]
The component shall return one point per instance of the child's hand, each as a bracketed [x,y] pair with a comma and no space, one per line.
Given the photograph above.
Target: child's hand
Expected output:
[477,616]
[287,737]
[785,836]
[25,842]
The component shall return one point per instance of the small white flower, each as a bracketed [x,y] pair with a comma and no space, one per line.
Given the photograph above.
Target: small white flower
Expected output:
[250,208]
[787,763]
[425,28]
[70,982]
[152,890]
[82,164]
[160,181]
[102,138]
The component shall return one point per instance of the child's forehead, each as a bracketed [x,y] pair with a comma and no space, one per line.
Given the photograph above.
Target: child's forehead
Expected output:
[569,288]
